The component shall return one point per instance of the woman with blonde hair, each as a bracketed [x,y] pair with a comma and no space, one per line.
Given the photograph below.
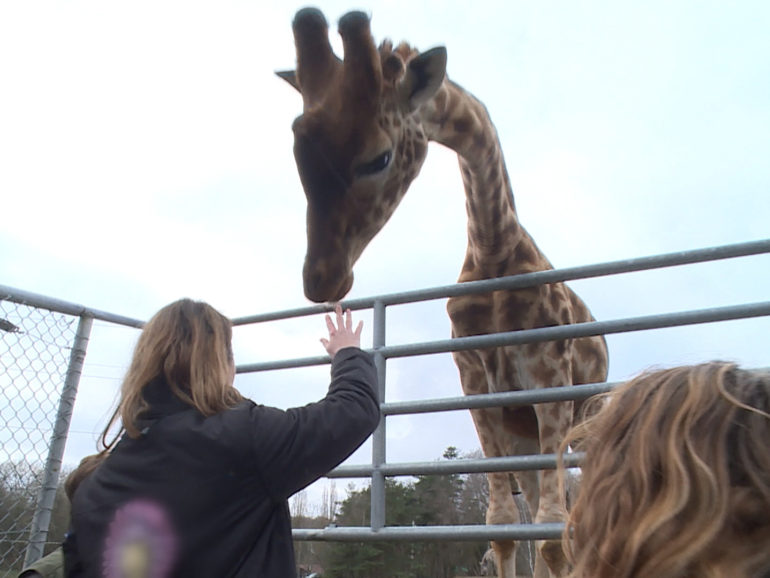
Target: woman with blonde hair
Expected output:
[197,481]
[676,478]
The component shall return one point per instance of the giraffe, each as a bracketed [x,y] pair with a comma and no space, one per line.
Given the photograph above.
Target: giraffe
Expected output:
[359,143]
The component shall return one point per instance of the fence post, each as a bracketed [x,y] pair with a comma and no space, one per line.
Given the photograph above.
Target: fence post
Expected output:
[378,438]
[42,516]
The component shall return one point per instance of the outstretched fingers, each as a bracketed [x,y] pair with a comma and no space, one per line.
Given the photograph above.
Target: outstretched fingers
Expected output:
[349,323]
[330,325]
[341,331]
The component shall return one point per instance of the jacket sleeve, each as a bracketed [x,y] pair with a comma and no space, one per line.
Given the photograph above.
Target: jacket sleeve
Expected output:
[294,448]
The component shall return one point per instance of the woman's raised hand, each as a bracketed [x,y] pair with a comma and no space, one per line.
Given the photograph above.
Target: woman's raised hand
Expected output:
[342,334]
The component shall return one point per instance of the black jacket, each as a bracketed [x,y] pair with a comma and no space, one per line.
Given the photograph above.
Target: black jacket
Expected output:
[209,496]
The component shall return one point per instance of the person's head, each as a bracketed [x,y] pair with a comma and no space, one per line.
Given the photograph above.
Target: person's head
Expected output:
[188,346]
[676,477]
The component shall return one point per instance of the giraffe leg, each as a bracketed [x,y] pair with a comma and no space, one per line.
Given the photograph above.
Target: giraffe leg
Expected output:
[495,442]
[529,483]
[528,480]
[502,508]
[554,421]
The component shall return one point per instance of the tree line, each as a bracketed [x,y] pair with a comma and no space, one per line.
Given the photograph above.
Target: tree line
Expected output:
[428,500]
[20,484]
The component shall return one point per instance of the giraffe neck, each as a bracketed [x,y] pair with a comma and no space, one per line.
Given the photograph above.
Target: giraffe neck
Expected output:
[456,119]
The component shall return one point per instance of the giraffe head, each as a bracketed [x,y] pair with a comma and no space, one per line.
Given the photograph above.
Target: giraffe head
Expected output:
[358,143]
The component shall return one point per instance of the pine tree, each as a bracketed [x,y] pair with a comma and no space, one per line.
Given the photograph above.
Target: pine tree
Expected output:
[428,501]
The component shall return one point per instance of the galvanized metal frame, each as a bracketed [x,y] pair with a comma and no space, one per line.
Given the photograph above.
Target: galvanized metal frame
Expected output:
[41,519]
[44,506]
[379,469]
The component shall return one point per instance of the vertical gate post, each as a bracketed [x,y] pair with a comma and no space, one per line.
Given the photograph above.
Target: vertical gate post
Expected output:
[42,516]
[378,438]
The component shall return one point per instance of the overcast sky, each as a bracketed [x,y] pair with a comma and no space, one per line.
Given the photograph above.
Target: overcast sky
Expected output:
[146,155]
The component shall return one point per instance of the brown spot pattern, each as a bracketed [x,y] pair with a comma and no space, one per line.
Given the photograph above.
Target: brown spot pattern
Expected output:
[498,246]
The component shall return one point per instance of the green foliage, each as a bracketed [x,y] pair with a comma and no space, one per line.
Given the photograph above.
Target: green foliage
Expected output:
[427,501]
[20,485]
[372,559]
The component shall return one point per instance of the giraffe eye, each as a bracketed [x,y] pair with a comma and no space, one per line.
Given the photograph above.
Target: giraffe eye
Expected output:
[374,166]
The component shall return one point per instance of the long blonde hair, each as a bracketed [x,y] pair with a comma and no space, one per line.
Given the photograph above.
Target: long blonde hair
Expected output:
[676,478]
[188,345]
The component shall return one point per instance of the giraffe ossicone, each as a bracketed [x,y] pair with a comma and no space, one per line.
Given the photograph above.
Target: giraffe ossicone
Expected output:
[361,140]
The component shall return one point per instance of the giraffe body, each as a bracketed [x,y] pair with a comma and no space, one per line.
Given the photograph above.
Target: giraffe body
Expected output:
[359,143]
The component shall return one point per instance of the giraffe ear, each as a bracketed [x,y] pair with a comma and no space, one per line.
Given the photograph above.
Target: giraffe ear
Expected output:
[423,77]
[289,76]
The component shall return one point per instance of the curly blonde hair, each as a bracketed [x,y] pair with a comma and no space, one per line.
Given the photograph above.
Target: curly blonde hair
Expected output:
[188,345]
[676,477]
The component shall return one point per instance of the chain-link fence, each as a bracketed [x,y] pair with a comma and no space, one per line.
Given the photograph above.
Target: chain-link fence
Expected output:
[42,350]
[35,350]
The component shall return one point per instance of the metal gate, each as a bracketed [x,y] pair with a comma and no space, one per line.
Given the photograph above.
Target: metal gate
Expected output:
[379,469]
[21,367]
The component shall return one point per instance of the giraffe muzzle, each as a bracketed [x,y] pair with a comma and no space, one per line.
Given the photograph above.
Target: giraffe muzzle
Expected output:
[323,285]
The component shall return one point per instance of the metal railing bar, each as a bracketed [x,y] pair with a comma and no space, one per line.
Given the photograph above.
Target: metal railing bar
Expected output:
[306,311]
[502,399]
[284,364]
[462,466]
[59,306]
[379,437]
[41,519]
[528,280]
[583,272]
[643,323]
[506,398]
[512,282]
[550,531]
[630,324]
